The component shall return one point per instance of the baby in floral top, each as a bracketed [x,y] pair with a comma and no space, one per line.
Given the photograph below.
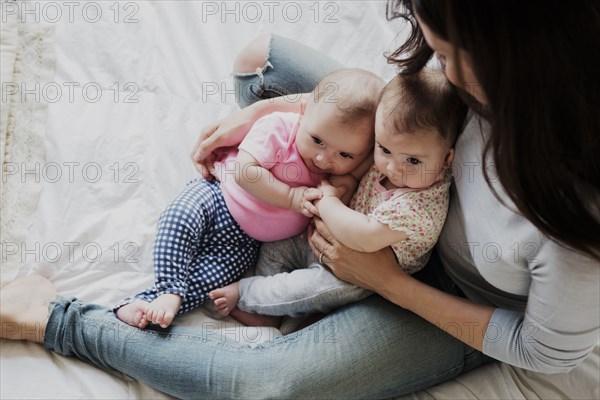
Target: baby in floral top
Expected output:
[401,202]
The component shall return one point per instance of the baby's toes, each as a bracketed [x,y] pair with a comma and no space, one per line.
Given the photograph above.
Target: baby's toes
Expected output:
[220,302]
[143,323]
[224,311]
[167,319]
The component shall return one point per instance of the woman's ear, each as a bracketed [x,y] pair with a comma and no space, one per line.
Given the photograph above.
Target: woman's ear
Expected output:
[449,158]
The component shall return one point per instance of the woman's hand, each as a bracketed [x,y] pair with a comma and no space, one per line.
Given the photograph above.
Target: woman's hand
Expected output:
[368,270]
[380,273]
[229,131]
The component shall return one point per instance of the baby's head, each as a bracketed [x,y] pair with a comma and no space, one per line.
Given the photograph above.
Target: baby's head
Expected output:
[418,121]
[337,124]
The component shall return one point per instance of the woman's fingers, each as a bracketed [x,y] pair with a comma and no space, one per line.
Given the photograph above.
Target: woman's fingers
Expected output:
[323,241]
[367,270]
[324,231]
[311,234]
[201,154]
[206,142]
[209,165]
[229,131]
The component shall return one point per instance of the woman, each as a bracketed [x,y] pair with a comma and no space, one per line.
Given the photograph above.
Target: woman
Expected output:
[520,246]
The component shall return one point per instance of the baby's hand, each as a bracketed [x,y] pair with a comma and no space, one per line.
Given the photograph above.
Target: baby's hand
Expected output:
[303,198]
[330,190]
[346,182]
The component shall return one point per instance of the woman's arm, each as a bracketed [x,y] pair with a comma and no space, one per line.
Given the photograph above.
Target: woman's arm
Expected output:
[230,131]
[379,272]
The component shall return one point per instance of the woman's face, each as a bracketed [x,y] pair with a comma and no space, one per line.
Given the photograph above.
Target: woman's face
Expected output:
[451,60]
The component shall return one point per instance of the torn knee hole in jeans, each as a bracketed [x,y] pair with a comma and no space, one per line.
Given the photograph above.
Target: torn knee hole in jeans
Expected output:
[258,72]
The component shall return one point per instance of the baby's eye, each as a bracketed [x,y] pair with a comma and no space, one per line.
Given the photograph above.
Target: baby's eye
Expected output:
[385,151]
[317,140]
[413,161]
[346,155]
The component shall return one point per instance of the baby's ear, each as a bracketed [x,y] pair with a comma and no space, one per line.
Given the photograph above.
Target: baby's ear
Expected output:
[449,158]
[302,106]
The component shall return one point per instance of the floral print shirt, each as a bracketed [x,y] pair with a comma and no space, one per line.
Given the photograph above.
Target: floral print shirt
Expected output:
[420,213]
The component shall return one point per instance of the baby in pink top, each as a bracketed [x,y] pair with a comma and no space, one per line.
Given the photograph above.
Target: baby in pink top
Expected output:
[272,143]
[210,234]
[275,170]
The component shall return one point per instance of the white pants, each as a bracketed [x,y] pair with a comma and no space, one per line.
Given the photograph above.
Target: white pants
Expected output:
[290,281]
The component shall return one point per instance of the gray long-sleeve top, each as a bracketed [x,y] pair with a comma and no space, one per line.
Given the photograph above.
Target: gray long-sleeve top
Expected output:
[547,297]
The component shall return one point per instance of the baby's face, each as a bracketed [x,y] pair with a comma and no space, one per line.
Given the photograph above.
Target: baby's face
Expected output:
[414,160]
[328,146]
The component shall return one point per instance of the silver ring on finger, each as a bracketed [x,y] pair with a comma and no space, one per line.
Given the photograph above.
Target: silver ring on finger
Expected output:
[321,258]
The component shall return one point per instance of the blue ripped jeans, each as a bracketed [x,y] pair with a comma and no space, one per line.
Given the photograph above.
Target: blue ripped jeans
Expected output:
[369,349]
[290,68]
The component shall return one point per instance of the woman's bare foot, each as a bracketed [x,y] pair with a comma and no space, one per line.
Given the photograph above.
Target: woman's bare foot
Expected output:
[134,313]
[251,319]
[225,298]
[24,308]
[163,309]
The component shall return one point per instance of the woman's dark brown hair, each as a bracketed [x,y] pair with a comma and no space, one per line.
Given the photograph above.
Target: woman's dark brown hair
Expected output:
[537,63]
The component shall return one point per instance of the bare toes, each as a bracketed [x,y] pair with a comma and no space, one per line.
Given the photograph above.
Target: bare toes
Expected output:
[138,316]
[150,315]
[143,323]
[220,301]
[224,311]
[132,313]
[168,318]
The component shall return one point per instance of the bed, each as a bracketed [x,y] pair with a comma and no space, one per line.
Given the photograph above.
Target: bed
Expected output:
[101,105]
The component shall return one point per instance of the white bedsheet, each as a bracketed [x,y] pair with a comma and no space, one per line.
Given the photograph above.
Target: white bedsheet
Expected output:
[116,157]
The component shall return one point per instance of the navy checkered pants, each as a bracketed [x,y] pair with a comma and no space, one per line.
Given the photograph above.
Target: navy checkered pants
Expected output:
[199,247]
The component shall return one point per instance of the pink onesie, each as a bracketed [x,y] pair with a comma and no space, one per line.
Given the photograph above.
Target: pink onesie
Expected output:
[271,141]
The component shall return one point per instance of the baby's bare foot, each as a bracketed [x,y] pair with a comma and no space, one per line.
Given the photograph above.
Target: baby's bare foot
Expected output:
[134,313]
[225,298]
[163,309]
